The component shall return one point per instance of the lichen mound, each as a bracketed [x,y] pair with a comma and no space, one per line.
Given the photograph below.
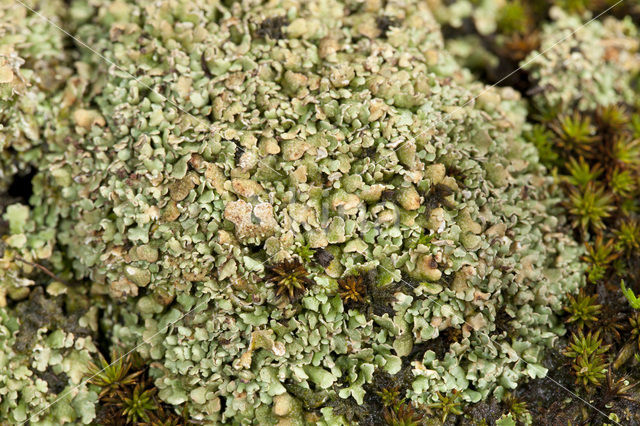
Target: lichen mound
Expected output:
[42,352]
[33,67]
[43,355]
[584,66]
[279,128]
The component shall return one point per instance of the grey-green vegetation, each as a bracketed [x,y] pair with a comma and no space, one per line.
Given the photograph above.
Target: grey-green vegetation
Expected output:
[216,139]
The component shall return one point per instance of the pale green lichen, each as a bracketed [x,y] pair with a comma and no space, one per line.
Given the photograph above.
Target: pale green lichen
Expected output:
[482,13]
[43,359]
[33,68]
[328,131]
[584,65]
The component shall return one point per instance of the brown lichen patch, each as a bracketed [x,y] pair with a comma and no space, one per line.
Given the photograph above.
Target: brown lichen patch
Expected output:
[427,268]
[246,187]
[179,190]
[251,221]
[272,28]
[86,118]
[323,257]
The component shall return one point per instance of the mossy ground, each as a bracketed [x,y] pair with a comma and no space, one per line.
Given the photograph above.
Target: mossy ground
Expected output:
[591,151]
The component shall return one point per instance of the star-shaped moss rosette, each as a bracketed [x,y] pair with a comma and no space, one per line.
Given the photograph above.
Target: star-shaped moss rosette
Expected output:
[290,279]
[352,289]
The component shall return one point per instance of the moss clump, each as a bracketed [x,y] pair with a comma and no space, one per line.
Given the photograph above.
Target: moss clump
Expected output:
[127,396]
[587,136]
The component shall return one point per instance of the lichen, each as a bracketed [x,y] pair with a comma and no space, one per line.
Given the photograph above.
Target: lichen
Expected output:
[230,136]
[34,66]
[589,65]
[43,357]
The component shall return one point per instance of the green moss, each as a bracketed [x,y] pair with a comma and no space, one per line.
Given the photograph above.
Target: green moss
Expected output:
[514,18]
